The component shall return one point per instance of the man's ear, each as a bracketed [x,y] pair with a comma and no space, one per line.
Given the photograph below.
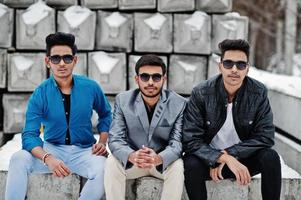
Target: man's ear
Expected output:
[220,67]
[75,59]
[47,62]
[136,79]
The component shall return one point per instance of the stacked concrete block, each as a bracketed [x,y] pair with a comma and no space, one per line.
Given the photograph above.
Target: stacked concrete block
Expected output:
[213,68]
[132,73]
[60,3]
[137,4]
[114,31]
[33,25]
[99,4]
[185,72]
[3,68]
[214,6]
[176,5]
[228,26]
[81,66]
[192,33]
[6,23]
[81,22]
[26,71]
[14,112]
[18,3]
[109,70]
[153,32]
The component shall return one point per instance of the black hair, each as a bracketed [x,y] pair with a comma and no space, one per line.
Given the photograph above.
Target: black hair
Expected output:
[238,44]
[151,60]
[60,38]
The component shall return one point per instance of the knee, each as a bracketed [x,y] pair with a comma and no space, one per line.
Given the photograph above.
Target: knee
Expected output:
[194,166]
[177,167]
[97,168]
[269,157]
[21,159]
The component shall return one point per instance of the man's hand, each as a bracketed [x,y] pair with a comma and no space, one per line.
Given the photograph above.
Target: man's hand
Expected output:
[57,167]
[145,158]
[240,171]
[99,149]
[216,173]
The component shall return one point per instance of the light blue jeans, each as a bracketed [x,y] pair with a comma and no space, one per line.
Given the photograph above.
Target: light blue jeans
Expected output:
[80,161]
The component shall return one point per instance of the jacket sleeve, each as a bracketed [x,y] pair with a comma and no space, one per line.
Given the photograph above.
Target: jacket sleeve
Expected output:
[31,131]
[117,135]
[262,135]
[103,109]
[174,149]
[194,131]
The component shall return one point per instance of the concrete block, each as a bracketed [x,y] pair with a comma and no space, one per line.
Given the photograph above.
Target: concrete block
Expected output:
[214,6]
[3,175]
[175,5]
[191,69]
[137,4]
[99,4]
[153,32]
[131,76]
[213,69]
[60,3]
[192,33]
[26,71]
[18,3]
[77,20]
[114,31]
[45,186]
[3,68]
[289,150]
[284,109]
[14,112]
[81,66]
[33,25]
[1,139]
[108,69]
[7,25]
[228,26]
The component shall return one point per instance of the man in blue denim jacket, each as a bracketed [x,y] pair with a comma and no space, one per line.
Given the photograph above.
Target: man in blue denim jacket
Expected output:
[63,104]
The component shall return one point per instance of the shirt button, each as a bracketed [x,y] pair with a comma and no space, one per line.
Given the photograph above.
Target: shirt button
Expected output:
[66,113]
[63,99]
[67,138]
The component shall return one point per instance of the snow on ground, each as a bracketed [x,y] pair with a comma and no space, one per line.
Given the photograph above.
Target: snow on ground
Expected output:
[290,85]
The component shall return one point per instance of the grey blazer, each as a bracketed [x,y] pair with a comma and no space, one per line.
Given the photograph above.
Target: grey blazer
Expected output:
[131,129]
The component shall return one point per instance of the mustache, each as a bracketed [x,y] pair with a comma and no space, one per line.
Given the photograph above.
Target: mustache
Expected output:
[150,87]
[234,76]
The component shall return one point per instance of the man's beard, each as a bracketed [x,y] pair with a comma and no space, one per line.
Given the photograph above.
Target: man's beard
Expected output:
[153,95]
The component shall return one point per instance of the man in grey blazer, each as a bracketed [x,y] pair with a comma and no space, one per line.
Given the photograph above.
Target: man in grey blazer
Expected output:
[146,132]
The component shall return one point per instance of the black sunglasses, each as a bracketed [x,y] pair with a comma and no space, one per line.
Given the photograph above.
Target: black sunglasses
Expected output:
[228,64]
[155,77]
[56,59]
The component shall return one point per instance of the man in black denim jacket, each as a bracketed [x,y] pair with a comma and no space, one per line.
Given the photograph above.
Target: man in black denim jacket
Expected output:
[228,128]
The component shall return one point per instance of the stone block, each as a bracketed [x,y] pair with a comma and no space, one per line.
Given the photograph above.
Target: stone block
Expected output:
[132,73]
[175,5]
[213,69]
[284,111]
[108,70]
[228,26]
[153,32]
[214,6]
[137,4]
[99,4]
[26,71]
[3,68]
[1,139]
[191,69]
[114,31]
[60,3]
[81,65]
[289,150]
[18,3]
[192,33]
[3,175]
[77,20]
[45,186]
[7,25]
[33,25]
[14,112]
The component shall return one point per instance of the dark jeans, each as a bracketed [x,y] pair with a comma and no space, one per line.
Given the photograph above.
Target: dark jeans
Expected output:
[265,161]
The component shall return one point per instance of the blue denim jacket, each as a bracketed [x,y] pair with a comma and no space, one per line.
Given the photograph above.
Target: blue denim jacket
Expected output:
[46,106]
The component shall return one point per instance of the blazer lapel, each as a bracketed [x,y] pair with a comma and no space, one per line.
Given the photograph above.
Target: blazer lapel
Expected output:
[141,112]
[160,107]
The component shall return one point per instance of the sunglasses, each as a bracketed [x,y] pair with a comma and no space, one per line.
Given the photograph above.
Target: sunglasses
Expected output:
[56,59]
[228,64]
[155,77]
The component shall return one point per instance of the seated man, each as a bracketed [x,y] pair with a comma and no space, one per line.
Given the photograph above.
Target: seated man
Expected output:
[63,104]
[146,132]
[228,128]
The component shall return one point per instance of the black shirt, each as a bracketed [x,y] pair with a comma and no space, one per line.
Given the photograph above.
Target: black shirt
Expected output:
[150,111]
[66,101]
